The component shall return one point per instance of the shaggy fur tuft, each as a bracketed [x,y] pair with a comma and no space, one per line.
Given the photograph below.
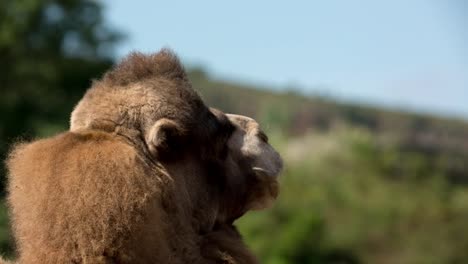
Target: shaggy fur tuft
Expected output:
[138,67]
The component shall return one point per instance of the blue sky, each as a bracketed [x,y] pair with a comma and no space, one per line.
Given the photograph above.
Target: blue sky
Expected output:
[409,54]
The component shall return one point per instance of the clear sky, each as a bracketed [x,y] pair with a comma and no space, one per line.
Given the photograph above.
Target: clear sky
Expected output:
[399,53]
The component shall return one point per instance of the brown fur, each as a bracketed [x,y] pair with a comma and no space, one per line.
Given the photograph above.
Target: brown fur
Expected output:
[224,245]
[146,174]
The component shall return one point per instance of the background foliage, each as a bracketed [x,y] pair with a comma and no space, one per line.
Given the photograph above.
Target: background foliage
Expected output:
[361,184]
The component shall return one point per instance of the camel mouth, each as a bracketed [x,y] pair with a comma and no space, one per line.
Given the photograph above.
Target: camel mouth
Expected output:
[265,172]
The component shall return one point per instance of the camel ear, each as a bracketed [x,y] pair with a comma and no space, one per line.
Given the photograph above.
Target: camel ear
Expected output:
[165,138]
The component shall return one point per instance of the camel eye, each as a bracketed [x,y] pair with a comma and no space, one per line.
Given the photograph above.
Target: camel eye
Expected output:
[262,136]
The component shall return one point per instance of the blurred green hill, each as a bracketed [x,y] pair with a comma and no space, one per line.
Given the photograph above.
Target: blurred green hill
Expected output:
[361,184]
[442,141]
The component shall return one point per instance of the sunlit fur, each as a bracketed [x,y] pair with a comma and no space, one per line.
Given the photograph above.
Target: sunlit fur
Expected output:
[146,174]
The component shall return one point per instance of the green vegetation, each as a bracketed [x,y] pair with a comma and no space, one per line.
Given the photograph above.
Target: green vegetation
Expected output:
[340,203]
[361,184]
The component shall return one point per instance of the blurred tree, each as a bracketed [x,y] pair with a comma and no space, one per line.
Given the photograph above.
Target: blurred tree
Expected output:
[49,51]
